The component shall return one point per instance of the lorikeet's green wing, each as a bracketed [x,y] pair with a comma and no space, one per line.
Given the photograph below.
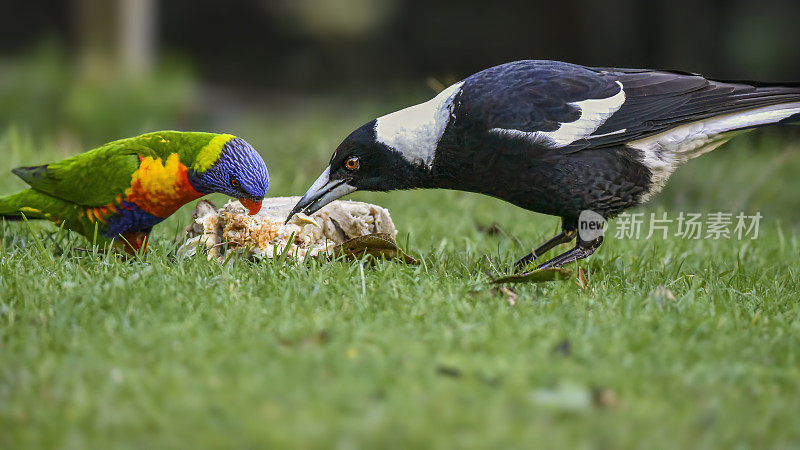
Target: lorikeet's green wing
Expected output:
[94,178]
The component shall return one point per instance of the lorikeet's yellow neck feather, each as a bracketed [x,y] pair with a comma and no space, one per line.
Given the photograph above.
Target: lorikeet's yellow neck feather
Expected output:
[211,152]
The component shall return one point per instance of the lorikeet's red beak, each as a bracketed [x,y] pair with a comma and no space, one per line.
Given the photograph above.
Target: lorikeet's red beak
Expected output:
[253,206]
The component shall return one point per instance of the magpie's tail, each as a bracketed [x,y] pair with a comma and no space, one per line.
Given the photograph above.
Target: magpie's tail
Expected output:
[764,116]
[771,103]
[741,106]
[793,119]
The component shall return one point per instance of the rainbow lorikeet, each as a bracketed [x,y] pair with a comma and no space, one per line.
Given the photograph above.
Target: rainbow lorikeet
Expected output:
[119,191]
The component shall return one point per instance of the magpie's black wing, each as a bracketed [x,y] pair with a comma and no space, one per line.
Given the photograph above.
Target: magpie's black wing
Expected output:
[532,96]
[573,107]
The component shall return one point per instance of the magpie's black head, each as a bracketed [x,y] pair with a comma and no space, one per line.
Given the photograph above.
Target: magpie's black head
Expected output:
[395,151]
[369,165]
[360,162]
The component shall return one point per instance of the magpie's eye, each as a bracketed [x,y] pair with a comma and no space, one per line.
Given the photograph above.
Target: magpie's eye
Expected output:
[352,163]
[235,183]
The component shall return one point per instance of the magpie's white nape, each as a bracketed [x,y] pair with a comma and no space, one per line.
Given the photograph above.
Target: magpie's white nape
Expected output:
[555,138]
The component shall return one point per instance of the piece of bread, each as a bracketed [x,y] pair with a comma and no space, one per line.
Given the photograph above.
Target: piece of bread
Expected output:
[265,235]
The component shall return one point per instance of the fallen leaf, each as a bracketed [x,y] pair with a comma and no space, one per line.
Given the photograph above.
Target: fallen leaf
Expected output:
[511,296]
[379,245]
[536,276]
[582,281]
[604,398]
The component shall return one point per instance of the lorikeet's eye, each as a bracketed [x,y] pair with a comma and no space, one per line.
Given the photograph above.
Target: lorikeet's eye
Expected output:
[235,183]
[352,163]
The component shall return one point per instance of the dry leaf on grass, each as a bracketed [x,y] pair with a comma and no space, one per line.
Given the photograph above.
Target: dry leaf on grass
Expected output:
[510,294]
[582,281]
[604,398]
[378,245]
[536,276]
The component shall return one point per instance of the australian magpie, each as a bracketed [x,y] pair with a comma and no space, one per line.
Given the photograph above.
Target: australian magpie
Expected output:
[554,138]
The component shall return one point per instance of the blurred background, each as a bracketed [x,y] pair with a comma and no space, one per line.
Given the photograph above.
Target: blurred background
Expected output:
[99,69]
[293,77]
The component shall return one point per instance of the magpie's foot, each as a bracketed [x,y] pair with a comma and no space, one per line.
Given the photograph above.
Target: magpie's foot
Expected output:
[566,236]
[582,250]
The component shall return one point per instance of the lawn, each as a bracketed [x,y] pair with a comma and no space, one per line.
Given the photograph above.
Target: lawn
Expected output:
[674,342]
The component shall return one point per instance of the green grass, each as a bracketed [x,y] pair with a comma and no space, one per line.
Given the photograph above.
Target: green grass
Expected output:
[158,352]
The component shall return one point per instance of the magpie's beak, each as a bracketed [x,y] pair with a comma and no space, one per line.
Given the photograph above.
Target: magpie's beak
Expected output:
[322,192]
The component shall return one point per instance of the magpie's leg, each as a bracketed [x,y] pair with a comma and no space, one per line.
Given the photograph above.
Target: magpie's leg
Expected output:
[566,236]
[582,250]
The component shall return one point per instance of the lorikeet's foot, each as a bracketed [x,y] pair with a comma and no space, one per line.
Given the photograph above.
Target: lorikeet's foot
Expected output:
[135,242]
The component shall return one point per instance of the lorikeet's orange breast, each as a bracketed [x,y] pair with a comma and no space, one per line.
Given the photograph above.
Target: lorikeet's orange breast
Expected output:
[160,188]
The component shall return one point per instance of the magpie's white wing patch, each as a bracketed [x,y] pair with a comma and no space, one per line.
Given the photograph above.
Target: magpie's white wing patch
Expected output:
[593,114]
[416,130]
[664,152]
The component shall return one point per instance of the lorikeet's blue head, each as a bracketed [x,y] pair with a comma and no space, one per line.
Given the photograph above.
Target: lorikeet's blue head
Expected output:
[239,172]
